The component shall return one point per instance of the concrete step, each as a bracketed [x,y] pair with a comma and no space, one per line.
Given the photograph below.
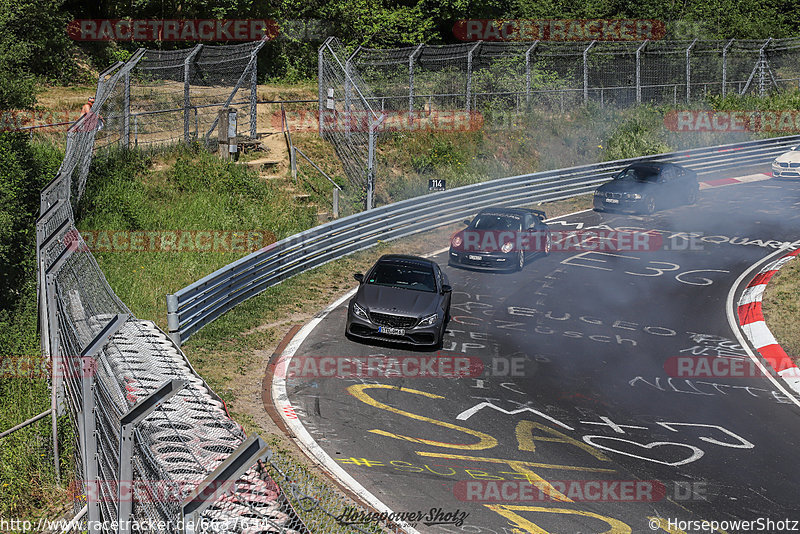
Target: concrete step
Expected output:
[262,163]
[302,197]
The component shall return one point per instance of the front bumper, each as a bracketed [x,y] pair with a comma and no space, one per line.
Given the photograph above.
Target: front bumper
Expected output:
[489,261]
[786,172]
[415,335]
[622,204]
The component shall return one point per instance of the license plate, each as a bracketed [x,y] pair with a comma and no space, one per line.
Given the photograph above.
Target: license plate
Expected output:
[612,200]
[476,258]
[391,331]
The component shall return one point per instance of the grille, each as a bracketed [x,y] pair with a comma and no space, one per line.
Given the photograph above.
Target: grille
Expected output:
[613,195]
[783,164]
[794,165]
[395,321]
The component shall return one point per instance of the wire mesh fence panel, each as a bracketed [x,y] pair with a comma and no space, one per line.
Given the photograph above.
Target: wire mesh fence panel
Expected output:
[141,454]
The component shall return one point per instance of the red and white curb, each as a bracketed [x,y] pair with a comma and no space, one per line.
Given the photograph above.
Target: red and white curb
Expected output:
[709,184]
[751,319]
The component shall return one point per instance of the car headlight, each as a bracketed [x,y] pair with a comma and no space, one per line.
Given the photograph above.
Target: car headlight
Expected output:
[457,241]
[506,248]
[598,193]
[429,320]
[634,196]
[360,311]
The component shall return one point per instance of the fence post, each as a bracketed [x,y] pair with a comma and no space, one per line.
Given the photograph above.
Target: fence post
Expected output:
[762,67]
[639,71]
[689,71]
[469,71]
[347,90]
[126,111]
[88,368]
[128,422]
[254,99]
[373,126]
[320,78]
[528,72]
[293,164]
[586,72]
[725,64]
[335,203]
[187,76]
[411,59]
[249,453]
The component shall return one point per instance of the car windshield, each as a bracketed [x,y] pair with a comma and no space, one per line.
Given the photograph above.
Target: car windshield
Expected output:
[488,221]
[403,275]
[638,174]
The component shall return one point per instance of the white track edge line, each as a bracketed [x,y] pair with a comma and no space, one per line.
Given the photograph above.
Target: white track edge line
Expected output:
[733,321]
[302,437]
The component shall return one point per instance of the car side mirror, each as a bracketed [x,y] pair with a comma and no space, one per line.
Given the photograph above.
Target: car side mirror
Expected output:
[359,277]
[446,289]
[466,222]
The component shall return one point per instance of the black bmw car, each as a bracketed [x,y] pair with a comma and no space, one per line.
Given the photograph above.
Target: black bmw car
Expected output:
[647,186]
[501,239]
[401,298]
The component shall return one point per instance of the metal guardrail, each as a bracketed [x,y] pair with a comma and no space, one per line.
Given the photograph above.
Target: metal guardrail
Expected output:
[200,303]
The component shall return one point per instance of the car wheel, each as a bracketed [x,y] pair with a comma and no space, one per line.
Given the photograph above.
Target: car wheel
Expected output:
[548,244]
[691,198]
[520,260]
[440,342]
[649,205]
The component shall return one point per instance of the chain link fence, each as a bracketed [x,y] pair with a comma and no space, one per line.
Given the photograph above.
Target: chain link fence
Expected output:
[155,446]
[515,76]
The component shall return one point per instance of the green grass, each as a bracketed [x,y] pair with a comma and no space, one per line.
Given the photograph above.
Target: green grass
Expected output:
[185,189]
[781,305]
[27,479]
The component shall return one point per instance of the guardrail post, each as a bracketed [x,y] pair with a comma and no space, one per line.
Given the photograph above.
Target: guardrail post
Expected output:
[689,71]
[252,450]
[128,423]
[173,322]
[411,59]
[725,64]
[586,72]
[187,76]
[528,72]
[469,71]
[639,71]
